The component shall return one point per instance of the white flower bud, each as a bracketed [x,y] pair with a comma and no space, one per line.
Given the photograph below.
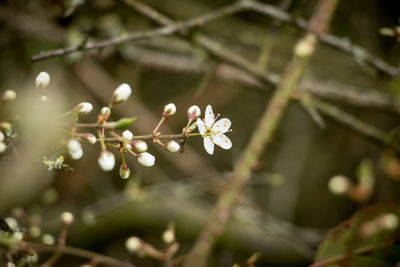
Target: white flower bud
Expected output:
[75,149]
[106,160]
[146,159]
[305,47]
[42,80]
[133,244]
[168,236]
[2,137]
[139,146]
[3,147]
[89,137]
[84,108]
[127,136]
[106,112]
[124,171]
[48,239]
[194,112]
[122,93]
[9,95]
[34,231]
[67,217]
[19,236]
[339,185]
[169,110]
[12,223]
[173,146]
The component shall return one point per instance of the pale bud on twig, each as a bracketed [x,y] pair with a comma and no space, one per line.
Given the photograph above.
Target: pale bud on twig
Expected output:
[48,239]
[124,171]
[194,112]
[106,112]
[169,110]
[9,95]
[339,185]
[84,108]
[122,93]
[173,146]
[34,231]
[139,145]
[89,138]
[67,218]
[146,159]
[42,80]
[133,244]
[12,223]
[19,236]
[127,136]
[169,235]
[106,160]
[75,149]
[305,47]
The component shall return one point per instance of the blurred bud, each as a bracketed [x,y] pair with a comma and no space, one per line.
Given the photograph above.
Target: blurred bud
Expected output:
[84,108]
[193,112]
[67,217]
[122,123]
[48,239]
[12,223]
[124,171]
[387,32]
[106,160]
[89,138]
[122,93]
[106,112]
[5,125]
[9,95]
[388,221]
[127,136]
[146,159]
[19,236]
[339,185]
[169,235]
[43,98]
[34,231]
[169,110]
[133,244]
[75,149]
[3,147]
[34,258]
[42,80]
[173,146]
[10,264]
[139,146]
[305,47]
[2,137]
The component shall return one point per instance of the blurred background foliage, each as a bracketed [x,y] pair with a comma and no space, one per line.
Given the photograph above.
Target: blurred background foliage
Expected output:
[286,208]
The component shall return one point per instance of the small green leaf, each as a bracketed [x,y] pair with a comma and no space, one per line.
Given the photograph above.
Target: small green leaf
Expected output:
[122,123]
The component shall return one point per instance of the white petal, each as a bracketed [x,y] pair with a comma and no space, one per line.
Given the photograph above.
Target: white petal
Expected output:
[222,126]
[209,116]
[222,140]
[201,126]
[209,145]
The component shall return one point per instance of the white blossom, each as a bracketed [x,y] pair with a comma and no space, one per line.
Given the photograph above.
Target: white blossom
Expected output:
[42,80]
[173,146]
[146,159]
[127,136]
[122,93]
[170,109]
[106,160]
[84,108]
[213,132]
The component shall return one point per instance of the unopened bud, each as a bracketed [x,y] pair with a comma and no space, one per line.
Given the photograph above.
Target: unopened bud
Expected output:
[173,146]
[67,217]
[5,125]
[106,112]
[106,160]
[122,93]
[169,110]
[388,221]
[84,108]
[9,95]
[193,112]
[19,236]
[127,136]
[12,223]
[139,146]
[75,149]
[146,159]
[124,171]
[34,231]
[48,239]
[89,138]
[42,80]
[339,185]
[305,47]
[133,244]
[168,236]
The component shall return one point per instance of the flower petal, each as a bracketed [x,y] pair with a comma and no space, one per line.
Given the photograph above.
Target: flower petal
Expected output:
[222,140]
[201,126]
[222,126]
[209,145]
[209,116]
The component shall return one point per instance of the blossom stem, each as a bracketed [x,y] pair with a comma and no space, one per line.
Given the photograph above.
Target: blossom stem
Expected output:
[101,140]
[64,114]
[158,126]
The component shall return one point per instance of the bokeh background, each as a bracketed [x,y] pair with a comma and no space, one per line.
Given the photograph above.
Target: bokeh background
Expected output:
[285,209]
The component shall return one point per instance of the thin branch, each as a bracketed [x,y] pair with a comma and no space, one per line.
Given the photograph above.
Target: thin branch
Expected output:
[162,31]
[261,137]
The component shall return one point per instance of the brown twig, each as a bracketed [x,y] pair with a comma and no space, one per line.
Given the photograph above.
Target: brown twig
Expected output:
[261,137]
